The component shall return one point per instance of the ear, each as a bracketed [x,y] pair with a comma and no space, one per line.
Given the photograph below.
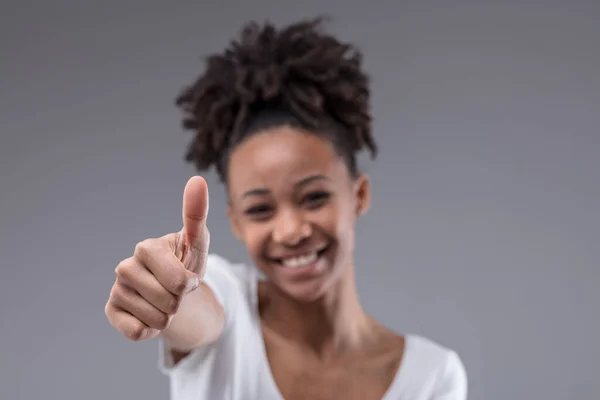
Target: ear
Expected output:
[233,222]
[362,194]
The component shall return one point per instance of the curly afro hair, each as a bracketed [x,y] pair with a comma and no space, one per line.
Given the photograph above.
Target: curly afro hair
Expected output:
[299,69]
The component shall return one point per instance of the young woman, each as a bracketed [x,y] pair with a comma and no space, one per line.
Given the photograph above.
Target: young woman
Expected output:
[281,115]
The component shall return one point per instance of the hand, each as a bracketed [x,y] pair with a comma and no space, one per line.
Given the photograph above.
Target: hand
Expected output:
[151,284]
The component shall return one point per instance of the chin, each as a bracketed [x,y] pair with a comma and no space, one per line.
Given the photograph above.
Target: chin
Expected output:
[305,293]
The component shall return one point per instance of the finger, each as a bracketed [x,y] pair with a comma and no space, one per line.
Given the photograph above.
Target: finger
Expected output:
[142,281]
[128,300]
[166,268]
[195,211]
[131,327]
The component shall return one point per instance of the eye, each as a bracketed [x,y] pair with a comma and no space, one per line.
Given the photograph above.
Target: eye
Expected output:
[259,211]
[315,199]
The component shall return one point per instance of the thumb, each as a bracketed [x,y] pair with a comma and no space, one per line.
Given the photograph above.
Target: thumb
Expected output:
[194,213]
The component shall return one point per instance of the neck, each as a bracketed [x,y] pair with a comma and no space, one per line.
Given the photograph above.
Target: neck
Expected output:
[332,325]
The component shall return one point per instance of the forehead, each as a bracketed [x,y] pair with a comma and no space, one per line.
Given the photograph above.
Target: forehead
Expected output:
[279,157]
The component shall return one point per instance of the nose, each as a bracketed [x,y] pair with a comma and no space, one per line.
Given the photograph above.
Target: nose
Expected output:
[291,228]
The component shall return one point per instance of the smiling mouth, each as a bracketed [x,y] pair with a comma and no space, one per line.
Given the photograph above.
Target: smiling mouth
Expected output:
[301,260]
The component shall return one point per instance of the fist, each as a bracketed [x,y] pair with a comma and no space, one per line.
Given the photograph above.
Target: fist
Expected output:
[150,285]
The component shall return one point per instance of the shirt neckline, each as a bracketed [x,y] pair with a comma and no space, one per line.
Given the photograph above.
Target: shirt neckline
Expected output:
[392,390]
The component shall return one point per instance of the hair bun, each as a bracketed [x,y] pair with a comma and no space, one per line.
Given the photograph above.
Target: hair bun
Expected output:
[299,68]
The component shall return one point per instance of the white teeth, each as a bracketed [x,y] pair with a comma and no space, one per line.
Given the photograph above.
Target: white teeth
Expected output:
[296,262]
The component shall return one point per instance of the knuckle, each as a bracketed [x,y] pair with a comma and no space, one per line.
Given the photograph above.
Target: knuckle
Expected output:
[147,248]
[142,249]
[206,235]
[202,247]
[124,268]
[176,281]
[116,293]
[108,310]
[204,242]
[179,283]
[163,321]
[173,304]
[135,332]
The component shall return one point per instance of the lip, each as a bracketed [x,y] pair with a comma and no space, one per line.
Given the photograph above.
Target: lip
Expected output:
[319,250]
[306,271]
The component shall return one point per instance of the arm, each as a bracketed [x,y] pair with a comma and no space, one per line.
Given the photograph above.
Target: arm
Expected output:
[199,321]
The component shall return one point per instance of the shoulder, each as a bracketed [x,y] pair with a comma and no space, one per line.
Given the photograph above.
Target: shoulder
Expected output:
[233,283]
[222,273]
[435,366]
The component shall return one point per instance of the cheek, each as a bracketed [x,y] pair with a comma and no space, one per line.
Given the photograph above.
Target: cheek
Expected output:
[337,221]
[255,238]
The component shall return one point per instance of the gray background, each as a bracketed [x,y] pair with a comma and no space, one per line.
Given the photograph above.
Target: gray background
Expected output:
[484,229]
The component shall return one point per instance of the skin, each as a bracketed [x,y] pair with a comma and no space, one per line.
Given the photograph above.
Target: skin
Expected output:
[289,193]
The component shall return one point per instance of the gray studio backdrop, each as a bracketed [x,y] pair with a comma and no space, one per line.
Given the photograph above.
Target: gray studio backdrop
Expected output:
[484,232]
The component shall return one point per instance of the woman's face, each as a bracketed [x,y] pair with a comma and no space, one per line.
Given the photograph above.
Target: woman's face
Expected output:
[294,205]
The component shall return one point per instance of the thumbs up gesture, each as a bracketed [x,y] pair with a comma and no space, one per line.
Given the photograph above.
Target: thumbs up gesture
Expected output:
[151,285]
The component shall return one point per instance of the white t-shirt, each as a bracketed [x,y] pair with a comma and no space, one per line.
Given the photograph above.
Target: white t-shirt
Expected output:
[236,366]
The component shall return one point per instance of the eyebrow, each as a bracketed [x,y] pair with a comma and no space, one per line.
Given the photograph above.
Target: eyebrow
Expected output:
[300,183]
